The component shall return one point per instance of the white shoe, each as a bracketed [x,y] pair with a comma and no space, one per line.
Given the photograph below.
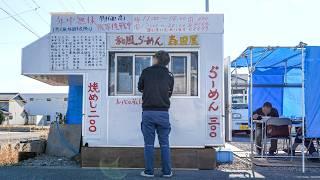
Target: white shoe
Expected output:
[146,175]
[167,175]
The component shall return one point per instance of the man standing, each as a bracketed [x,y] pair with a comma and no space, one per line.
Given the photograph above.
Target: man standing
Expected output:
[266,110]
[156,84]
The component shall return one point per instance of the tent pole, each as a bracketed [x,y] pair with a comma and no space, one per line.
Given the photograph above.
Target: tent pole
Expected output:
[285,72]
[250,96]
[303,108]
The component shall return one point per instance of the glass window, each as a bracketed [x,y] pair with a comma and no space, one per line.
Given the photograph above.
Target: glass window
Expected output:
[141,62]
[194,74]
[237,91]
[125,70]
[179,70]
[124,75]
[237,99]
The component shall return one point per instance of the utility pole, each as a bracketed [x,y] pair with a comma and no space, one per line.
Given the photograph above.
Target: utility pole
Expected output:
[207,5]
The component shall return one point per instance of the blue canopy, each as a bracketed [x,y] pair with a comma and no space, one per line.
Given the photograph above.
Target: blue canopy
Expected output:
[269,57]
[277,78]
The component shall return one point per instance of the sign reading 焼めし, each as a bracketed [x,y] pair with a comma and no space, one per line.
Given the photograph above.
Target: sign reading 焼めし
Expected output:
[213,103]
[126,23]
[93,107]
[153,40]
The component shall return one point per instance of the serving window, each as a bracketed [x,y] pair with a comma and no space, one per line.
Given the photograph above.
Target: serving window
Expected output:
[126,68]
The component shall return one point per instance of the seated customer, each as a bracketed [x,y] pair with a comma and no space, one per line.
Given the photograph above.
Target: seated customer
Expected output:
[307,143]
[265,110]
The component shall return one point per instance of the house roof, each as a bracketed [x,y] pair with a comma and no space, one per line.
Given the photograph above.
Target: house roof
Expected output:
[10,96]
[5,112]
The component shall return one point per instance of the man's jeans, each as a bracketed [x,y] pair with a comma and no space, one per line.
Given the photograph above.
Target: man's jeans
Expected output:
[156,121]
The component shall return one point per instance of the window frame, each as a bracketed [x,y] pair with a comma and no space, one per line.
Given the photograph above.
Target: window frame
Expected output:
[187,54]
[188,73]
[135,88]
[116,73]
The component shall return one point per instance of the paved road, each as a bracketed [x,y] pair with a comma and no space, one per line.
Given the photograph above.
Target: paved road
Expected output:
[61,173]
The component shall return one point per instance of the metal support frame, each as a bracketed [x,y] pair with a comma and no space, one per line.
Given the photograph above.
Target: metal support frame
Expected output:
[303,105]
[251,69]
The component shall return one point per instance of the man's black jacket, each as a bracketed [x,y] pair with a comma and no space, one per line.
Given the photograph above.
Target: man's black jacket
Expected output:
[273,113]
[156,84]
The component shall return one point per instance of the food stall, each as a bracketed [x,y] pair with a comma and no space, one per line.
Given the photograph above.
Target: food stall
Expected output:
[109,52]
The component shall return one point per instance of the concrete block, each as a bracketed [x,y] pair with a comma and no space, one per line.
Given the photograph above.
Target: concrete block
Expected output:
[64,140]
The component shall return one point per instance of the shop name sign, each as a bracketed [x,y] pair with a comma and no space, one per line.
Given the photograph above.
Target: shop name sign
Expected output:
[151,40]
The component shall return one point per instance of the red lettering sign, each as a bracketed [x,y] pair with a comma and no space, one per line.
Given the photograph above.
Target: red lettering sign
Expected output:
[93,97]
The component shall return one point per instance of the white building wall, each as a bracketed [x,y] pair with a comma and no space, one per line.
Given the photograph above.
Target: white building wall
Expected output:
[16,109]
[40,106]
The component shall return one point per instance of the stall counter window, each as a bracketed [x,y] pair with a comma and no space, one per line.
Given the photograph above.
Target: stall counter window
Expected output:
[126,68]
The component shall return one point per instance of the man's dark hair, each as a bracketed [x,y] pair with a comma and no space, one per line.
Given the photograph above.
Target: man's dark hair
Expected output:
[267,104]
[163,57]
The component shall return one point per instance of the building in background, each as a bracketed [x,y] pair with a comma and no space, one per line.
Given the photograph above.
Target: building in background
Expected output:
[42,108]
[12,106]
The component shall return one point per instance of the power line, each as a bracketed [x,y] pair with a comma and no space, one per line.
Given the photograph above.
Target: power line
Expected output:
[23,12]
[23,21]
[43,19]
[20,22]
[80,4]
[63,5]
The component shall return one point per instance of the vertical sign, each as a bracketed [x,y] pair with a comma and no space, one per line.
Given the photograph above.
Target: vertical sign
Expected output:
[93,106]
[213,103]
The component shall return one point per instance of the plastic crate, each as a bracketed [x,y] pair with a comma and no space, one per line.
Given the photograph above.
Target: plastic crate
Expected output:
[224,155]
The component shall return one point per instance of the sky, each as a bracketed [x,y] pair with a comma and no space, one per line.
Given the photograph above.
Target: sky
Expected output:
[247,23]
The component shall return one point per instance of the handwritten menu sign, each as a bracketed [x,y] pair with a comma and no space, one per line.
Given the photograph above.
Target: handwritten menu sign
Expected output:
[213,98]
[137,40]
[153,40]
[161,23]
[90,23]
[93,103]
[170,23]
[77,51]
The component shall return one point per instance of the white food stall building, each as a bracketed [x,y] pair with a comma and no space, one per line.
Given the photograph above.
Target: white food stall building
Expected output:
[108,52]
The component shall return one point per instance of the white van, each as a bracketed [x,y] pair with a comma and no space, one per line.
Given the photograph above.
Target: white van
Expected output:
[239,111]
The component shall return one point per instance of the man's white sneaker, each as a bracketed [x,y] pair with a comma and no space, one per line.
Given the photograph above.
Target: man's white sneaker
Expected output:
[167,175]
[146,175]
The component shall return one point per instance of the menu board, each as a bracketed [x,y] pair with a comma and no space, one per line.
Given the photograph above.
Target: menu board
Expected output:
[133,23]
[77,51]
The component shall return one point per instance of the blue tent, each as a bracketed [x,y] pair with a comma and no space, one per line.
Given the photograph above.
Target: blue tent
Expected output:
[277,77]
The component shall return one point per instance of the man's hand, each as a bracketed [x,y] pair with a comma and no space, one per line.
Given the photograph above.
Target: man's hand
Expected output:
[299,130]
[255,116]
